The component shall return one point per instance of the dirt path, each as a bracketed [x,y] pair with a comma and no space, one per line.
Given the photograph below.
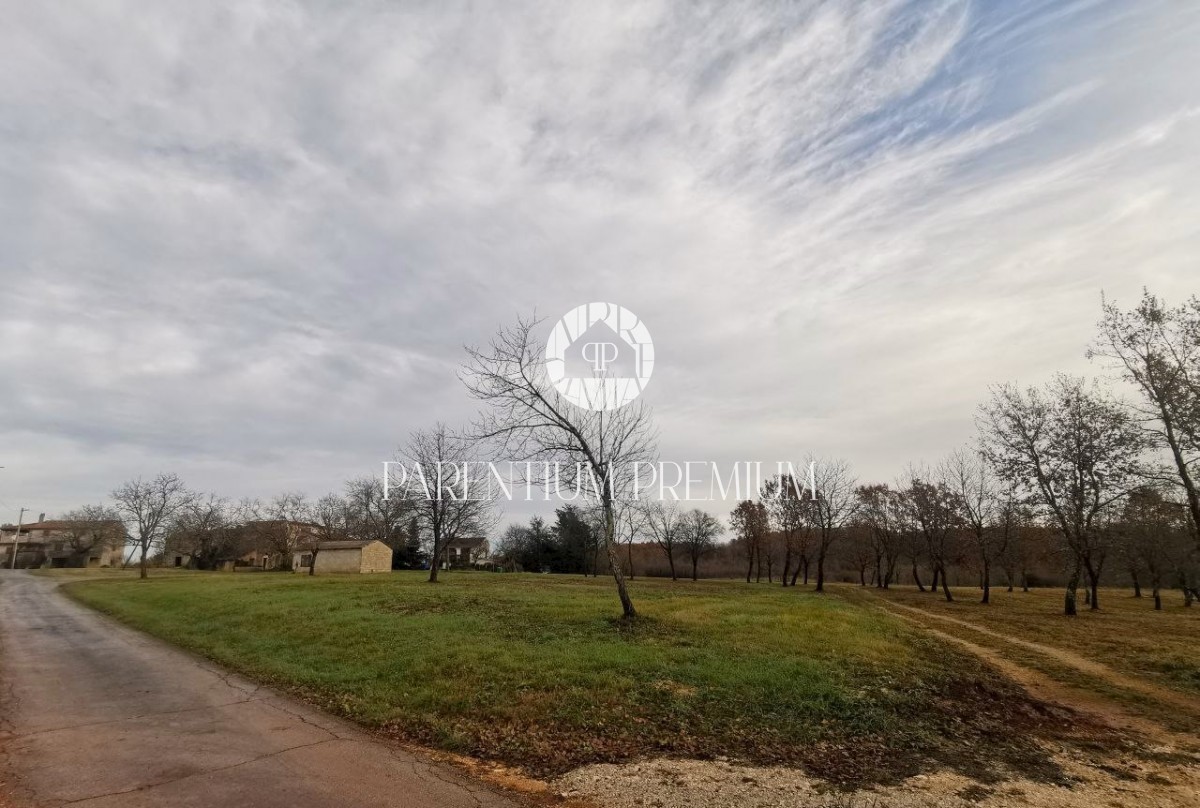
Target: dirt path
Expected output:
[95,714]
[1163,773]
[1163,695]
[1049,690]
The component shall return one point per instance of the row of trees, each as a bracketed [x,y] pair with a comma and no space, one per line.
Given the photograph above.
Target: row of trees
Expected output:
[1109,479]
[574,543]
[1105,478]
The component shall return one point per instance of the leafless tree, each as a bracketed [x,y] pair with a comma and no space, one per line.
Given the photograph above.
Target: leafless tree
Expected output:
[750,523]
[532,422]
[662,522]
[205,529]
[1076,453]
[93,527]
[1157,349]
[698,536]
[374,517]
[630,523]
[860,547]
[446,484]
[1153,539]
[977,494]
[279,525]
[1014,521]
[833,505]
[331,517]
[147,507]
[788,503]
[880,509]
[934,510]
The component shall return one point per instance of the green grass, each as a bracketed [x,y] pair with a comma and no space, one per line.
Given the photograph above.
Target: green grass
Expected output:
[535,671]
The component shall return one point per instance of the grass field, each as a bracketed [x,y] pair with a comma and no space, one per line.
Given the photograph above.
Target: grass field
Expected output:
[1125,634]
[534,671]
[1143,662]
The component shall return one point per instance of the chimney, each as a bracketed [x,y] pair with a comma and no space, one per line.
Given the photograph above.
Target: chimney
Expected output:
[41,517]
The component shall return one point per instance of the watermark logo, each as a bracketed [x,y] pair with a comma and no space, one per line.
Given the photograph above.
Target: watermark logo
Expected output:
[599,356]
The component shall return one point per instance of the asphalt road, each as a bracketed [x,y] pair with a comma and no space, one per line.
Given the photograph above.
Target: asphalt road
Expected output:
[96,715]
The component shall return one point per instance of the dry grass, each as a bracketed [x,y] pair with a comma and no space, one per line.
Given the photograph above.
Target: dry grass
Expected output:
[1126,634]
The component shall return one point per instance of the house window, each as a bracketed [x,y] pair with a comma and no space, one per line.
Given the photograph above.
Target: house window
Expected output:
[306,560]
[179,561]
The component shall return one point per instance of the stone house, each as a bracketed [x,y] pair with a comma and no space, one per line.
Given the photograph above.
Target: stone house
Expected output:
[346,556]
[53,543]
[464,552]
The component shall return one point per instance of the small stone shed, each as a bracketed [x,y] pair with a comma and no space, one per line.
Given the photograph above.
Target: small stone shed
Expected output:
[347,556]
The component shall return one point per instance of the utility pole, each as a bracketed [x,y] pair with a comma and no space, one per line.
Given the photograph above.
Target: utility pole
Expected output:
[17,539]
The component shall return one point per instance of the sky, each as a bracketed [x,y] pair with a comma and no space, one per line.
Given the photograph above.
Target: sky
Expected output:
[246,242]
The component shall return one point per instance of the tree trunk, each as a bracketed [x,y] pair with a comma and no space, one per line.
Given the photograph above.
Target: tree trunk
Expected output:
[435,559]
[1093,587]
[614,563]
[787,565]
[945,585]
[1069,607]
[1157,600]
[804,561]
[142,572]
[671,561]
[917,577]
[629,553]
[933,587]
[695,563]
[987,583]
[1137,585]
[820,572]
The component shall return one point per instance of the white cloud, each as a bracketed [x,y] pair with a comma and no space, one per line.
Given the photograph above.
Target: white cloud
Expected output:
[246,242]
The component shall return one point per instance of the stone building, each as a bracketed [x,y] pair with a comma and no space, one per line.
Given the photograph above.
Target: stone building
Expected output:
[346,556]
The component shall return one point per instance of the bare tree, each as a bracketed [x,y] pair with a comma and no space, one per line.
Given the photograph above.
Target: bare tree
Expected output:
[374,517]
[977,494]
[698,536]
[278,525]
[1158,350]
[630,523]
[788,504]
[1152,535]
[446,485]
[205,530]
[662,520]
[833,505]
[332,521]
[1076,453]
[880,509]
[148,506]
[93,527]
[934,511]
[531,420]
[1014,521]
[750,523]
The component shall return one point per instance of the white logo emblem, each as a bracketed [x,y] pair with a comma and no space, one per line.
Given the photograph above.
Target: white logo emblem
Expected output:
[599,356]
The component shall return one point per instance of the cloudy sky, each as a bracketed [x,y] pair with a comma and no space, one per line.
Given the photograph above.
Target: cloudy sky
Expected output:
[247,241]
